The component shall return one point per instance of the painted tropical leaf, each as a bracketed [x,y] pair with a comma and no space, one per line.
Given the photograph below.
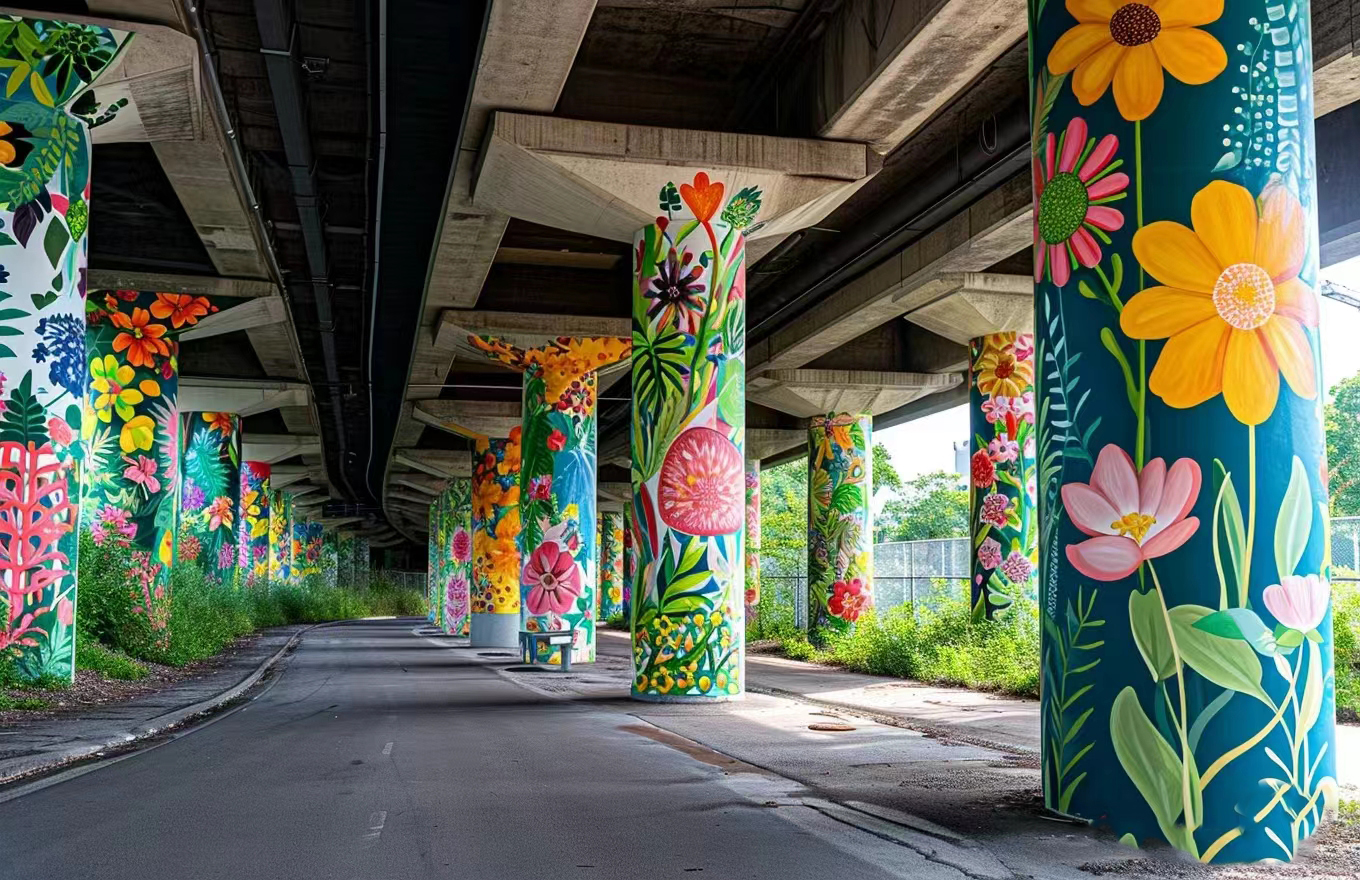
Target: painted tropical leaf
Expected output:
[1294,521]
[36,510]
[660,364]
[1151,765]
[203,463]
[23,420]
[847,498]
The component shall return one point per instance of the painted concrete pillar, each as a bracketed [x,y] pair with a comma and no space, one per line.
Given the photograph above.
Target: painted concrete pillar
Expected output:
[435,573]
[362,571]
[752,561]
[44,213]
[280,538]
[344,560]
[330,559]
[1184,590]
[210,494]
[629,562]
[1003,472]
[688,421]
[611,563]
[132,433]
[840,523]
[557,483]
[255,520]
[306,550]
[495,535]
[455,591]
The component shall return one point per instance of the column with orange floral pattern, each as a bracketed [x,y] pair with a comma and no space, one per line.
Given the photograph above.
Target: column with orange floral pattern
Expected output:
[840,521]
[253,534]
[210,494]
[495,535]
[1185,604]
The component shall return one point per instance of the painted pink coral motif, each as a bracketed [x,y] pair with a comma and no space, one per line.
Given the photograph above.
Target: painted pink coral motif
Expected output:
[553,578]
[989,553]
[1131,517]
[1298,602]
[462,546]
[702,488]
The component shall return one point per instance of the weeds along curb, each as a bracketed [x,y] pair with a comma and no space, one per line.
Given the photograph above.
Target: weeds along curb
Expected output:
[15,769]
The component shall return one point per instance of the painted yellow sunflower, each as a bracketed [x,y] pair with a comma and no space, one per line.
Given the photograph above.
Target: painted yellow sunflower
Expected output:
[1233,308]
[1130,44]
[1001,372]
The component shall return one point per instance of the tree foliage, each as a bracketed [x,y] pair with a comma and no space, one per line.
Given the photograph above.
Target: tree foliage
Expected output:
[784,518]
[885,475]
[1343,447]
[932,506]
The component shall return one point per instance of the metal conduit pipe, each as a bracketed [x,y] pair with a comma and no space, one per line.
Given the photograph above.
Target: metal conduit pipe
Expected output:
[278,35]
[978,165]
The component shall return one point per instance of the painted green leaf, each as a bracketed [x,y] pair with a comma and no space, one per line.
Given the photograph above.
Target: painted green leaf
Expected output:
[55,240]
[1230,531]
[1227,663]
[1242,624]
[1310,707]
[1294,522]
[1148,623]
[732,398]
[847,498]
[24,420]
[1151,765]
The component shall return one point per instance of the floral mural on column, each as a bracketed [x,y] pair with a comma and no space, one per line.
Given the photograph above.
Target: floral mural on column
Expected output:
[253,533]
[689,415]
[438,541]
[280,538]
[306,550]
[752,563]
[557,483]
[840,524]
[456,570]
[495,525]
[611,563]
[1188,691]
[210,494]
[1003,472]
[330,558]
[629,562]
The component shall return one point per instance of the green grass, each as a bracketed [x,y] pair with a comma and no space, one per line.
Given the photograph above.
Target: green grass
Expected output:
[942,647]
[107,662]
[31,704]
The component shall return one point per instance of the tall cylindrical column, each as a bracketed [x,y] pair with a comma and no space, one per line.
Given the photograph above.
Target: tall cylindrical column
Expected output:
[44,213]
[629,562]
[557,500]
[1002,472]
[752,564]
[362,571]
[306,550]
[330,559]
[840,523]
[210,493]
[611,563]
[688,421]
[457,552]
[495,534]
[434,586]
[280,538]
[1183,530]
[255,519]
[133,449]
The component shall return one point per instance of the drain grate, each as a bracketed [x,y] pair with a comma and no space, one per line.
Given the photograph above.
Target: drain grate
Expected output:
[494,654]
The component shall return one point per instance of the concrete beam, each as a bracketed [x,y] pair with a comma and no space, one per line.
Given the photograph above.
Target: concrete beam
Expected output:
[470,418]
[429,487]
[414,499]
[336,522]
[614,493]
[982,303]
[305,490]
[808,393]
[442,463]
[601,178]
[199,285]
[246,316]
[991,229]
[245,397]
[882,69]
[277,447]
[525,329]
[762,443]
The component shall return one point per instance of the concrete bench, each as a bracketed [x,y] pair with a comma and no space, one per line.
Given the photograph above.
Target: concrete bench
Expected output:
[529,642]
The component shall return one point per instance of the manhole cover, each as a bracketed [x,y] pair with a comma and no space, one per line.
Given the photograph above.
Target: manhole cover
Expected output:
[494,654]
[528,669]
[831,728]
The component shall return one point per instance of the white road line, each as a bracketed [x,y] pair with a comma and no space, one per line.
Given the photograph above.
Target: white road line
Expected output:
[376,821]
[387,749]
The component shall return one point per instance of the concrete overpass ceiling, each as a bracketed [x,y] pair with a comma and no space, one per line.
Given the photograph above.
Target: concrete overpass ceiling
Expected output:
[136,218]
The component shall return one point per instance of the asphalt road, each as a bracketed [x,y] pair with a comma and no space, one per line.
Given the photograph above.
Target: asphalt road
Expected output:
[379,754]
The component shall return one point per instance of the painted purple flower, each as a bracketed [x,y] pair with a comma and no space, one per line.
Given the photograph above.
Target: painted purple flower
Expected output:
[989,553]
[194,499]
[1017,567]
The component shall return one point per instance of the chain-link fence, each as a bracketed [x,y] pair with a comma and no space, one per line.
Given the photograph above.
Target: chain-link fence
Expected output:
[1346,548]
[411,580]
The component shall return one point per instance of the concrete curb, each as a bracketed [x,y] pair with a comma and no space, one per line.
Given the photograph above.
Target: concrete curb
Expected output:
[14,769]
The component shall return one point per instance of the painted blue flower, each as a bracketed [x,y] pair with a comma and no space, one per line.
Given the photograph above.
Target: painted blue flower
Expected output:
[63,349]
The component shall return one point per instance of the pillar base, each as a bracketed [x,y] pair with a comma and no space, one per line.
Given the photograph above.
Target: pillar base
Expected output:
[495,630]
[686,698]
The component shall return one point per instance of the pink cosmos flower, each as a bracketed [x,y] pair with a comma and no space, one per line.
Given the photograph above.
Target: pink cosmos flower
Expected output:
[1131,517]
[1299,603]
[142,471]
[553,578]
[1002,448]
[989,553]
[1071,201]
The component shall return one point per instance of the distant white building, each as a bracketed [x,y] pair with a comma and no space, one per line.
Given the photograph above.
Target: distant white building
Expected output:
[962,452]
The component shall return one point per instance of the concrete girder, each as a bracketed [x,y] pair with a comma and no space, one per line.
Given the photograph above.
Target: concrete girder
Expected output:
[442,463]
[288,475]
[432,487]
[615,448]
[245,397]
[601,178]
[524,329]
[246,316]
[470,418]
[305,490]
[808,393]
[166,282]
[991,229]
[335,522]
[414,499]
[277,447]
[615,493]
[981,304]
[763,443]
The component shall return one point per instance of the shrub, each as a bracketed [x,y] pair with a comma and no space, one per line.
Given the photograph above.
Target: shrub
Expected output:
[107,662]
[1346,633]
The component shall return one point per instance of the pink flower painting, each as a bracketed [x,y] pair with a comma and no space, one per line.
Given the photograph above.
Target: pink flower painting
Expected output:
[553,578]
